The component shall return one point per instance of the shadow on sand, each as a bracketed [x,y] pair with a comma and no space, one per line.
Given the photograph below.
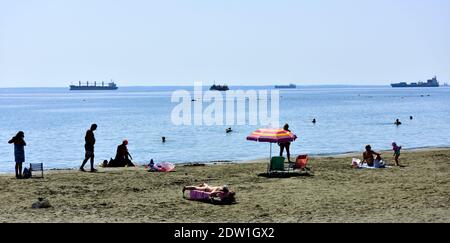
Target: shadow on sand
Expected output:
[285,174]
[214,202]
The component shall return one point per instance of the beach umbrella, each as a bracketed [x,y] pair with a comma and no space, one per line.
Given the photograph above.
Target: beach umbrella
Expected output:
[270,135]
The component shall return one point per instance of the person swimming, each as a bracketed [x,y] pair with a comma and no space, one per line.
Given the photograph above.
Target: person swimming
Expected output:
[229,130]
[397,122]
[314,121]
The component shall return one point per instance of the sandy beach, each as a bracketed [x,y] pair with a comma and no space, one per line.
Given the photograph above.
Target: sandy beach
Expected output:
[420,192]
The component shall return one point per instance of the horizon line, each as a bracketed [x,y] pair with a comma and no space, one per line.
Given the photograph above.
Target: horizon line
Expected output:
[147,86]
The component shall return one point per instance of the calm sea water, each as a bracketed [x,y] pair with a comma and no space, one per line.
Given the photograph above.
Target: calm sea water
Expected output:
[55,121]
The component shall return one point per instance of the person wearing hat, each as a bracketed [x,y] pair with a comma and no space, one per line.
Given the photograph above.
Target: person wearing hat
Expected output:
[123,157]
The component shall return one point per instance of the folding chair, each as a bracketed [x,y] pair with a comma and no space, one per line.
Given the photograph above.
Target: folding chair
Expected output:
[300,163]
[37,167]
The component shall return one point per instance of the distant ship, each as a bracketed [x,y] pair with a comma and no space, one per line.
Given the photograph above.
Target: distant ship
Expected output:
[219,87]
[291,86]
[430,83]
[110,86]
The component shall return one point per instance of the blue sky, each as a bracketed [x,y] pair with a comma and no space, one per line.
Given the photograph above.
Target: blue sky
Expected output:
[253,42]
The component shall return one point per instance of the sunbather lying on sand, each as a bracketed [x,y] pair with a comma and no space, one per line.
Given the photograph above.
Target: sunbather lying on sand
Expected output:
[219,191]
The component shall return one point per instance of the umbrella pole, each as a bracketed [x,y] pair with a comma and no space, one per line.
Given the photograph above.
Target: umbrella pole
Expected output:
[270,160]
[270,150]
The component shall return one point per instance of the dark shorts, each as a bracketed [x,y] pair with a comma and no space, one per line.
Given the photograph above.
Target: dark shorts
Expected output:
[89,152]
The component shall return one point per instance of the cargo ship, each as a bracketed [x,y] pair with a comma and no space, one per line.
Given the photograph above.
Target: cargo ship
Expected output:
[290,86]
[80,86]
[219,87]
[430,83]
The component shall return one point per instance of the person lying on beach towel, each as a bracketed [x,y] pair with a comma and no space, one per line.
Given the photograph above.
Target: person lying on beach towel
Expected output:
[205,192]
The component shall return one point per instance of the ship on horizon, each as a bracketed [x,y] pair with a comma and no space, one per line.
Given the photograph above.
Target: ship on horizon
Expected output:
[219,87]
[430,83]
[290,86]
[80,86]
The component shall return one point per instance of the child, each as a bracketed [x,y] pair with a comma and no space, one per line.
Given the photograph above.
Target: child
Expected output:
[19,152]
[396,153]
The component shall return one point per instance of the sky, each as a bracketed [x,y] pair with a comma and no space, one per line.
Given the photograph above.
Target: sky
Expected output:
[52,43]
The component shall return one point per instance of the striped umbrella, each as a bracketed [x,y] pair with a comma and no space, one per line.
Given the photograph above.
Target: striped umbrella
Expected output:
[272,136]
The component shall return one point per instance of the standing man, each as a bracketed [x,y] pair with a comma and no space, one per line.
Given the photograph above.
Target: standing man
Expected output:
[89,147]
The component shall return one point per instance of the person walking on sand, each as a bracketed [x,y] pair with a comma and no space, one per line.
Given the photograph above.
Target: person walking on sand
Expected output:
[89,148]
[397,150]
[285,145]
[19,152]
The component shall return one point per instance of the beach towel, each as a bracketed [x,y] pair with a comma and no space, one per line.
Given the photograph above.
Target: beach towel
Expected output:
[199,195]
[162,167]
[356,163]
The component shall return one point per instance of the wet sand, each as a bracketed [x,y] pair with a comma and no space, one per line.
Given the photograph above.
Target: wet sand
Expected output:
[420,192]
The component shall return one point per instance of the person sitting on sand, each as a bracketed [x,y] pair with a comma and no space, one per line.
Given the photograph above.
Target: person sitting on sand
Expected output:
[151,166]
[223,192]
[397,150]
[123,157]
[368,156]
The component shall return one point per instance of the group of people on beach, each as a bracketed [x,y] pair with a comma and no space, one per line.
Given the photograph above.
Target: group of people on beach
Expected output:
[372,158]
[123,157]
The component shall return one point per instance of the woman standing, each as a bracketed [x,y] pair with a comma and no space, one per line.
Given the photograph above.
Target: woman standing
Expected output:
[19,152]
[286,145]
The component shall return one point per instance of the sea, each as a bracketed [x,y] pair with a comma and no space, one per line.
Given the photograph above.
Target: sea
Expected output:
[55,121]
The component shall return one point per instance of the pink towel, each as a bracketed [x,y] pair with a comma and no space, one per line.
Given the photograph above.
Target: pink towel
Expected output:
[199,195]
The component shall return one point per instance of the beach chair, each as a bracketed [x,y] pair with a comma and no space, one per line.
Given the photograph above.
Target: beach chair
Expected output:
[300,163]
[36,167]
[276,165]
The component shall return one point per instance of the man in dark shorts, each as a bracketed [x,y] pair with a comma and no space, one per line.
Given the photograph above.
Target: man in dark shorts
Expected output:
[89,147]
